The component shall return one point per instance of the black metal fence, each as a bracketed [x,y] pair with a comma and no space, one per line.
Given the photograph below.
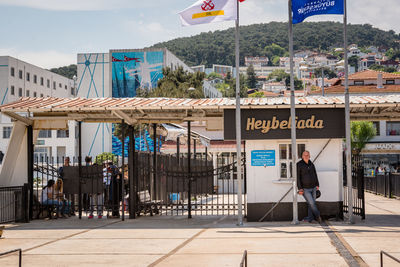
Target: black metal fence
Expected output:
[14,204]
[162,184]
[9,253]
[357,176]
[203,186]
[385,184]
[63,187]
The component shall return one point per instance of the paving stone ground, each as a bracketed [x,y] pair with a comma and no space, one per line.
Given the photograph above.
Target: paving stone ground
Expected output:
[202,241]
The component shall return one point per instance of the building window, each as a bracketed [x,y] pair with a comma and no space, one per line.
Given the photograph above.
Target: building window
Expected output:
[376,126]
[7,132]
[62,133]
[20,74]
[41,81]
[28,76]
[72,91]
[41,154]
[34,94]
[54,85]
[12,72]
[27,92]
[66,87]
[60,85]
[285,158]
[392,128]
[48,83]
[12,90]
[20,92]
[41,95]
[34,78]
[45,134]
[389,81]
[358,82]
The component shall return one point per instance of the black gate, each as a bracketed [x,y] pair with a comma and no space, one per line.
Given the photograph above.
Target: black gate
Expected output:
[357,175]
[203,186]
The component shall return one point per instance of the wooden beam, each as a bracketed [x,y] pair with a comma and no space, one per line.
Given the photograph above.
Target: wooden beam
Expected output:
[24,120]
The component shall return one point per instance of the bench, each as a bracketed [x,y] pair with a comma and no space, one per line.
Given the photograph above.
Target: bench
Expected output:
[146,205]
[51,210]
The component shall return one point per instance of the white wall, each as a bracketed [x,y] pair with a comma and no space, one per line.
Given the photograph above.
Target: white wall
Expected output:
[94,81]
[265,186]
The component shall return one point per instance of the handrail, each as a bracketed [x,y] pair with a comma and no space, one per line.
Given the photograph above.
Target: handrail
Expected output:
[12,251]
[276,204]
[390,256]
[243,263]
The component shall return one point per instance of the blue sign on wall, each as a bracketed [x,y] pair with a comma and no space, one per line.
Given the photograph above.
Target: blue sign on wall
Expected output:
[263,158]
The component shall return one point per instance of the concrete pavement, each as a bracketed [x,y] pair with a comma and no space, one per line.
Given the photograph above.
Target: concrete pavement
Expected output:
[202,241]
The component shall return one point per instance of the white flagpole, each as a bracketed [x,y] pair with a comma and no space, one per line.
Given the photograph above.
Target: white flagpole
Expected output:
[347,119]
[293,117]
[238,124]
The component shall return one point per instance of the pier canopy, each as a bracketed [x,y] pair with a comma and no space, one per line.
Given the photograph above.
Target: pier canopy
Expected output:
[52,112]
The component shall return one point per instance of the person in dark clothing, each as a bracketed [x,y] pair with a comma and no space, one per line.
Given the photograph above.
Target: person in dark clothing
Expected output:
[308,184]
[1,156]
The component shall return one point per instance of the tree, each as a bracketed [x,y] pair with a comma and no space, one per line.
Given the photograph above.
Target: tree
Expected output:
[272,51]
[101,158]
[353,61]
[298,84]
[66,71]
[361,133]
[251,80]
[257,95]
[327,72]
[176,84]
[382,68]
[278,75]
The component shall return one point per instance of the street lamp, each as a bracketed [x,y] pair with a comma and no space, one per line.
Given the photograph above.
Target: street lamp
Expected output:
[75,78]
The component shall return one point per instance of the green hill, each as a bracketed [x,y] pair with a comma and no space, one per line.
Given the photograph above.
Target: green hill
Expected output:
[218,47]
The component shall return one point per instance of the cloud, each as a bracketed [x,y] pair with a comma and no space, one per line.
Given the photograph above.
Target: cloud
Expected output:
[44,59]
[73,5]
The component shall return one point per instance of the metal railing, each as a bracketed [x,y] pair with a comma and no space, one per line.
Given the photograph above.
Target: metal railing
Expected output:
[388,255]
[243,263]
[13,251]
[13,204]
[385,184]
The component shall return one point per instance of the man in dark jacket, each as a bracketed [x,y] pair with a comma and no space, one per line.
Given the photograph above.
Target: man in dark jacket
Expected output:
[307,183]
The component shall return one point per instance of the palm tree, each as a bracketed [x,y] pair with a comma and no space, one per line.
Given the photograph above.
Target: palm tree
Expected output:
[361,133]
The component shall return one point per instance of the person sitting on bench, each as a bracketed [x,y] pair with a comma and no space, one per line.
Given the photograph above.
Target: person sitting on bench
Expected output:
[48,197]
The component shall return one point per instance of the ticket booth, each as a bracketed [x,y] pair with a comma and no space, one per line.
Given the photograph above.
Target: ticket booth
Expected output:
[267,136]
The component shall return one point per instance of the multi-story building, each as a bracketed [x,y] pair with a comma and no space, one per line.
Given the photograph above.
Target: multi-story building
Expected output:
[21,79]
[256,61]
[119,74]
[222,69]
[384,149]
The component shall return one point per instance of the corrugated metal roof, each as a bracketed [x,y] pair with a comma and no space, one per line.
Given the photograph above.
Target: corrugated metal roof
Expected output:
[28,104]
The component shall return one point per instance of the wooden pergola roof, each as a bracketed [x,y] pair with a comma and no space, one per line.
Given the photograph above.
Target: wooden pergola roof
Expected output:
[172,110]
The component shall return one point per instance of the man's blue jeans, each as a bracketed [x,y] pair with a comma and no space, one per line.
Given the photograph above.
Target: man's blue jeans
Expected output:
[310,195]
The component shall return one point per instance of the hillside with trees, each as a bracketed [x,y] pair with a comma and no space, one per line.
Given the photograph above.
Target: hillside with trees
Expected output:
[66,71]
[271,39]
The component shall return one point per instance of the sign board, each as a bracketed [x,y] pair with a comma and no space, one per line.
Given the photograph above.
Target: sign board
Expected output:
[311,123]
[39,142]
[263,158]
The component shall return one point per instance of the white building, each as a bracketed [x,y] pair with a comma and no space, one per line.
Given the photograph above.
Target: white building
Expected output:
[21,79]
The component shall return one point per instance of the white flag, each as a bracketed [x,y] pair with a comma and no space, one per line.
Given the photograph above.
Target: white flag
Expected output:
[208,11]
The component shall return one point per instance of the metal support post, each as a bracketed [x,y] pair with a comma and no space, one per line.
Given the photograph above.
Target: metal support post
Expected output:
[189,173]
[123,171]
[238,122]
[293,118]
[131,160]
[30,169]
[155,160]
[347,120]
[80,169]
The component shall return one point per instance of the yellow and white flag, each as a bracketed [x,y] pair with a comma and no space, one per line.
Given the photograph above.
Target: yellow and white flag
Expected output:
[208,11]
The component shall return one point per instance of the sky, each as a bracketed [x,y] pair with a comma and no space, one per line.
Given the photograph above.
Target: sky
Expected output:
[50,33]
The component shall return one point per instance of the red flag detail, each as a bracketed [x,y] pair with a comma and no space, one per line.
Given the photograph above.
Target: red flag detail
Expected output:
[116,59]
[131,59]
[241,1]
